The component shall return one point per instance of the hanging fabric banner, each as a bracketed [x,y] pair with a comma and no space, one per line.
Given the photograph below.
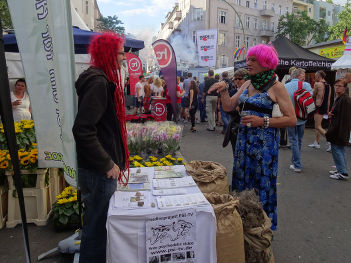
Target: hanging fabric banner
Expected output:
[135,69]
[207,47]
[167,61]
[44,37]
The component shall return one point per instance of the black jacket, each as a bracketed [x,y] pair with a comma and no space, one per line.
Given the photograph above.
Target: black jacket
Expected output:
[339,129]
[208,83]
[96,129]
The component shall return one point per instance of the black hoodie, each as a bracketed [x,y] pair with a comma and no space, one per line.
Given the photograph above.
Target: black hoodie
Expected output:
[96,129]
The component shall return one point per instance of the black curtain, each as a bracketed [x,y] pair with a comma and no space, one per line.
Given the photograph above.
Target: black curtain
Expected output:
[9,128]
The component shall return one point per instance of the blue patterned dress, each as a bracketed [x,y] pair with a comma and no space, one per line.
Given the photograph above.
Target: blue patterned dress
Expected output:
[256,157]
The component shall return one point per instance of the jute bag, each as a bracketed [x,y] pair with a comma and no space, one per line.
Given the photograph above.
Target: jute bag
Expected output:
[209,176]
[229,237]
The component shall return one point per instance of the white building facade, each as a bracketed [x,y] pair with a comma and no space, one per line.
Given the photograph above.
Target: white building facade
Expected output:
[88,10]
[259,23]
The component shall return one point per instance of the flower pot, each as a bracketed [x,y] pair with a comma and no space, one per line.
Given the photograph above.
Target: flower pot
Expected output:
[37,200]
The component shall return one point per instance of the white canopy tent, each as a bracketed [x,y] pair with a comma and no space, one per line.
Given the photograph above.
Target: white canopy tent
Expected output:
[345,61]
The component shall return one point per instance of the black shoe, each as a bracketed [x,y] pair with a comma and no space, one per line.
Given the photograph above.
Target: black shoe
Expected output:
[210,129]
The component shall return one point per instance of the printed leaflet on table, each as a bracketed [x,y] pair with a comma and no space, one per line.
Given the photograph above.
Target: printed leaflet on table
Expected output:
[176,201]
[169,172]
[132,200]
[176,191]
[173,182]
[172,237]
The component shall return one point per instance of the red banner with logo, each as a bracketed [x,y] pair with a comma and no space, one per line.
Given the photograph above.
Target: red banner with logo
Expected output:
[135,69]
[167,61]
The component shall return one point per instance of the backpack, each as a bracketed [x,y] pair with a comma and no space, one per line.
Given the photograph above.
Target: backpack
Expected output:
[304,103]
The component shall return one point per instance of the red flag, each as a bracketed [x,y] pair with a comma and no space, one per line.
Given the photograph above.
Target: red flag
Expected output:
[135,69]
[344,36]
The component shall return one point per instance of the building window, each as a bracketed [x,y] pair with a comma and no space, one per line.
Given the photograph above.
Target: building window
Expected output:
[272,25]
[237,41]
[287,10]
[86,7]
[254,42]
[322,13]
[248,4]
[222,15]
[238,2]
[255,4]
[221,39]
[247,41]
[329,13]
[265,5]
[264,25]
[280,10]
[194,37]
[198,14]
[255,23]
[237,21]
[247,22]
[309,10]
[273,7]
[224,61]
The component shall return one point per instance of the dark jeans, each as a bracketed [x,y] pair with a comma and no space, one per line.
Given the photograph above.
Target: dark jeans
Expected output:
[96,190]
[192,113]
[169,111]
[225,118]
[202,109]
[283,137]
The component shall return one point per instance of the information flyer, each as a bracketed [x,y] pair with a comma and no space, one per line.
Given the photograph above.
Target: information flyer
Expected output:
[172,238]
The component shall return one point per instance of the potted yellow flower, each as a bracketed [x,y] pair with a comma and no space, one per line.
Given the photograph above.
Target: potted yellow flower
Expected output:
[65,211]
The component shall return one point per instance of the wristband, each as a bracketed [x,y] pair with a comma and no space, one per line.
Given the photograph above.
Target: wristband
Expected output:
[265,122]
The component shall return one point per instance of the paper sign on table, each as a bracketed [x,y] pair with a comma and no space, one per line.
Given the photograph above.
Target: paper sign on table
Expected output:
[134,187]
[176,191]
[173,182]
[168,172]
[176,201]
[132,200]
[172,238]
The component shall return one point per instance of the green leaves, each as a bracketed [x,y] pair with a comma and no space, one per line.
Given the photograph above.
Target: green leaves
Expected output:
[111,23]
[301,29]
[344,20]
[5,15]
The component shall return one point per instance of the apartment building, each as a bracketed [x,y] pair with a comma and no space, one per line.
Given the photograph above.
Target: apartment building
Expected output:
[318,10]
[88,10]
[239,22]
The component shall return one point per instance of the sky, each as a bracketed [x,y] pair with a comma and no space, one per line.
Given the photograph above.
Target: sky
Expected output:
[143,18]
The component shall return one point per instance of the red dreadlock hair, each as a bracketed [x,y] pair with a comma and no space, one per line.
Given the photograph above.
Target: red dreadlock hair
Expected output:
[103,50]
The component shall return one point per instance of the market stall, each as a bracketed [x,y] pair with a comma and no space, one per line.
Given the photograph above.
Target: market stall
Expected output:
[167,217]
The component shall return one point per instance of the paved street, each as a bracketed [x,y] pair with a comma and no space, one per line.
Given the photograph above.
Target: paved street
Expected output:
[314,218]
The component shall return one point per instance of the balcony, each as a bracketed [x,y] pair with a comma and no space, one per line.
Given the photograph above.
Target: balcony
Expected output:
[170,25]
[267,12]
[178,15]
[266,33]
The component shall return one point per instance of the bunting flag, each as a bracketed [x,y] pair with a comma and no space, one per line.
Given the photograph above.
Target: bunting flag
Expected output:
[344,35]
[236,50]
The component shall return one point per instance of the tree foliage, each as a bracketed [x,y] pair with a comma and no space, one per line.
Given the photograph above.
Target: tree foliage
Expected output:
[111,23]
[344,20]
[301,29]
[5,15]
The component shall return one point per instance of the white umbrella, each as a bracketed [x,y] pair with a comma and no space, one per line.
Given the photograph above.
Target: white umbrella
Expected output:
[345,61]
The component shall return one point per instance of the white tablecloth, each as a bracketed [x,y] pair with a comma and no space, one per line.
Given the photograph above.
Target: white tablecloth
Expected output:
[126,235]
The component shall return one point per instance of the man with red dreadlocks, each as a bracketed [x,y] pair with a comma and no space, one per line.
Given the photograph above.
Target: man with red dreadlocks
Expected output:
[101,140]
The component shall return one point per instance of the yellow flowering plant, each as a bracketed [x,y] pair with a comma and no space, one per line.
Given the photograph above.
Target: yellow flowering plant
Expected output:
[151,161]
[25,134]
[65,211]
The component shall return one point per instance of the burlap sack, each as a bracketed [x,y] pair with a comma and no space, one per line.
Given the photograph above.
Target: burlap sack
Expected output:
[230,237]
[210,177]
[257,228]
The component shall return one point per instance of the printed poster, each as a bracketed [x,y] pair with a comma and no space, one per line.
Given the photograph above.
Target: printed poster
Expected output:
[172,238]
[207,47]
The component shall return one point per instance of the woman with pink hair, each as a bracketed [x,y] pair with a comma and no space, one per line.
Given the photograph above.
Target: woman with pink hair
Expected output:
[256,152]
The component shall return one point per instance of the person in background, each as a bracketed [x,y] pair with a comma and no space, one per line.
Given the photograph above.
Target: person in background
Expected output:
[101,140]
[224,115]
[202,104]
[296,133]
[283,143]
[218,112]
[193,93]
[347,79]
[256,153]
[338,133]
[211,101]
[147,94]
[186,87]
[20,102]
[139,90]
[158,89]
[180,93]
[322,95]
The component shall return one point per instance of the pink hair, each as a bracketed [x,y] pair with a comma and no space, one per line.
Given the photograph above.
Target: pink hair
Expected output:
[266,55]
